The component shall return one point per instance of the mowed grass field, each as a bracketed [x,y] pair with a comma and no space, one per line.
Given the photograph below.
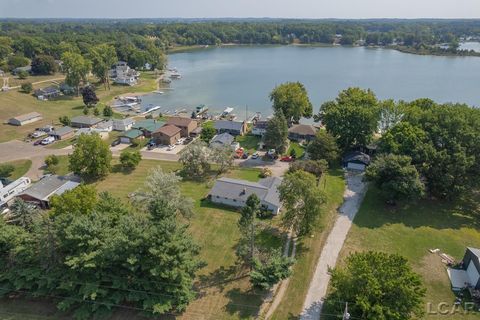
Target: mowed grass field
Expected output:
[411,230]
[21,167]
[309,249]
[14,103]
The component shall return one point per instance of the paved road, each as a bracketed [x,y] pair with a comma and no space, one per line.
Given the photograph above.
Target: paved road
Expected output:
[317,291]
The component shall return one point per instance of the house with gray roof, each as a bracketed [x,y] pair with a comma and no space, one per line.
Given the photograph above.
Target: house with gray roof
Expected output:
[25,119]
[85,122]
[234,192]
[222,140]
[235,128]
[105,126]
[41,192]
[123,124]
[63,133]
[302,132]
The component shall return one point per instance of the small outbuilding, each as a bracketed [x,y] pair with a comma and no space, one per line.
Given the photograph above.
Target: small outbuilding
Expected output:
[63,133]
[47,93]
[167,135]
[25,119]
[85,122]
[235,128]
[356,160]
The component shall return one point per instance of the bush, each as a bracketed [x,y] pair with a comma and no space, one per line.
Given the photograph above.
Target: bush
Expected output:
[22,74]
[52,162]
[65,120]
[266,172]
[27,87]
[130,160]
[96,112]
[6,170]
[107,111]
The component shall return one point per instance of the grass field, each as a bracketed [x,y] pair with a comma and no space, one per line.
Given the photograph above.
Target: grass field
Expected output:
[299,150]
[62,167]
[21,167]
[309,249]
[248,142]
[412,230]
[14,103]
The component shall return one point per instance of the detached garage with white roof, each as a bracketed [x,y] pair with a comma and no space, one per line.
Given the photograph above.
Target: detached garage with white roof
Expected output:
[469,276]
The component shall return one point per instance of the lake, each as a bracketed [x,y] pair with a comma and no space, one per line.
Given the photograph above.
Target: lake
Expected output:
[243,76]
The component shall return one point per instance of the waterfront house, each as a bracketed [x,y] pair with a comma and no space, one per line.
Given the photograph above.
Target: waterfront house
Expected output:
[85,122]
[25,119]
[302,132]
[148,126]
[186,125]
[167,135]
[123,74]
[41,192]
[235,128]
[234,192]
[123,124]
[259,127]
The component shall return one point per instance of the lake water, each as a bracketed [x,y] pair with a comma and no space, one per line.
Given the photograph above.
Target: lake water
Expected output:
[244,76]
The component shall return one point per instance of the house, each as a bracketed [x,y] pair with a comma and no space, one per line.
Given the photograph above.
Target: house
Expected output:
[25,119]
[186,125]
[9,191]
[148,126]
[302,132]
[235,128]
[63,133]
[123,124]
[85,122]
[356,161]
[224,139]
[234,192]
[129,135]
[105,126]
[66,89]
[2,73]
[47,93]
[16,71]
[259,127]
[41,192]
[123,74]
[167,135]
[469,273]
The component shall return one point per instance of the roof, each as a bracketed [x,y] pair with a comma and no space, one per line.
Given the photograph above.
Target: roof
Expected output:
[303,129]
[150,125]
[132,133]
[261,124]
[62,131]
[27,116]
[357,156]
[180,121]
[125,122]
[47,90]
[228,125]
[475,251]
[265,189]
[169,130]
[48,186]
[86,120]
[224,138]
[105,124]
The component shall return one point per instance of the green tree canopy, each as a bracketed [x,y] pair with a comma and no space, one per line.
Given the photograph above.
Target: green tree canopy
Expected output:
[276,133]
[76,68]
[195,160]
[130,159]
[292,100]
[323,146]
[267,273]
[91,157]
[89,96]
[43,65]
[103,57]
[208,132]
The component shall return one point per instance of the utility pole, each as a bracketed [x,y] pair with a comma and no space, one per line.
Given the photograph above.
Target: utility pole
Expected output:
[346,315]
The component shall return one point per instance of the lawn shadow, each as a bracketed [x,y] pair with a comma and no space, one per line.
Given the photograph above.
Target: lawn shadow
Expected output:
[244,304]
[435,213]
[219,278]
[208,204]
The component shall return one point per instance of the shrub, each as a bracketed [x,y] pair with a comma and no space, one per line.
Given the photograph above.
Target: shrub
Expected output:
[27,87]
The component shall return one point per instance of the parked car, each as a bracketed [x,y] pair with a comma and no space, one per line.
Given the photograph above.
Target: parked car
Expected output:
[187,140]
[151,145]
[245,155]
[180,141]
[38,142]
[47,141]
[287,159]
[171,147]
[272,154]
[255,155]
[115,143]
[38,134]
[46,129]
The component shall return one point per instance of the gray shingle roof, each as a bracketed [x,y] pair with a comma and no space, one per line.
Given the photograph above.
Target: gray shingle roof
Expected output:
[48,186]
[228,125]
[265,189]
[223,138]
[475,251]
[62,131]
[86,120]
[358,157]
[303,129]
[125,122]
[28,116]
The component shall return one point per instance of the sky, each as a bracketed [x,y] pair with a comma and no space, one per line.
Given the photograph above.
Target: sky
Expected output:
[240,8]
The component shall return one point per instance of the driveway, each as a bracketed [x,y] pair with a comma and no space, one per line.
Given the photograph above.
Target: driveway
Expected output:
[317,291]
[278,168]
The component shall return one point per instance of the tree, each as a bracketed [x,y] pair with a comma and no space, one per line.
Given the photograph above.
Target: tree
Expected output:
[65,120]
[303,201]
[86,111]
[292,100]
[89,96]
[315,167]
[391,113]
[352,118]
[223,158]
[76,69]
[195,160]
[52,161]
[16,61]
[164,187]
[27,87]
[130,159]
[91,157]
[208,132]
[377,285]
[80,201]
[107,111]
[22,214]
[96,112]
[247,227]
[22,74]
[103,57]
[44,65]
[323,146]
[276,133]
[395,177]
[6,170]
[267,273]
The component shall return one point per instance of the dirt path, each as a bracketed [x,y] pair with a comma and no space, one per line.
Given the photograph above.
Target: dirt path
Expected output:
[317,291]
[39,82]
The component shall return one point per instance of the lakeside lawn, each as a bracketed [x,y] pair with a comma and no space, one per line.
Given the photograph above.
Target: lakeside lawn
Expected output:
[413,229]
[14,103]
[21,168]
[299,150]
[248,142]
[309,249]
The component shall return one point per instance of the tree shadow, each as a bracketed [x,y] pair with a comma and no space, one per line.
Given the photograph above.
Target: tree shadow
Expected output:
[244,304]
[219,278]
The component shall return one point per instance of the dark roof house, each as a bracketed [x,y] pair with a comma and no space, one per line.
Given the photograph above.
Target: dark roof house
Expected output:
[47,93]
[63,133]
[302,132]
[85,122]
[41,192]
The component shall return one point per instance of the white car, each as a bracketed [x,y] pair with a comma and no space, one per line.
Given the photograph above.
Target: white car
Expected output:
[171,147]
[180,141]
[48,140]
[255,155]
[38,134]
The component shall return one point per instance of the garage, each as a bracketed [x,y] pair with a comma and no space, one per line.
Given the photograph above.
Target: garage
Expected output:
[356,161]
[128,136]
[471,264]
[356,166]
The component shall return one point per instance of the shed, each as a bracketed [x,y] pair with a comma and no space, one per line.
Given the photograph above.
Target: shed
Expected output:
[63,133]
[25,119]
[356,161]
[167,135]
[471,264]
[85,122]
[41,192]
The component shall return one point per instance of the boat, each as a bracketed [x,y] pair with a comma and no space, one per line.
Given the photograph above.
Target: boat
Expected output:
[130,99]
[175,75]
[166,80]
[150,109]
[158,92]
[226,112]
[201,109]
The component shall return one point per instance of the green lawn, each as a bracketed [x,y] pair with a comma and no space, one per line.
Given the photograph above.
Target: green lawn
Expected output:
[62,167]
[299,150]
[21,167]
[413,229]
[248,142]
[309,249]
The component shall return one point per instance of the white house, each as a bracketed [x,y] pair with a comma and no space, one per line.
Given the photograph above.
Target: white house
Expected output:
[123,124]
[123,74]
[106,126]
[13,189]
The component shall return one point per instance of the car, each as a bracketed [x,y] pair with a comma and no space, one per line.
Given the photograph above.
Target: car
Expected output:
[171,147]
[255,155]
[151,145]
[245,155]
[287,159]
[180,141]
[47,141]
[38,142]
[115,143]
[46,129]
[38,134]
